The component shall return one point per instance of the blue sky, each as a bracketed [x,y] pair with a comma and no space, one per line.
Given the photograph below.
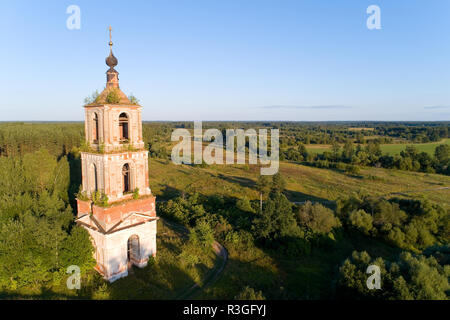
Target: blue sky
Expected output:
[230,60]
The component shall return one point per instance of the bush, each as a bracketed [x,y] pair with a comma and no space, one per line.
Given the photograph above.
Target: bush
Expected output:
[352,169]
[239,239]
[136,193]
[361,220]
[188,257]
[133,99]
[317,218]
[249,294]
[409,224]
[92,98]
[100,199]
[202,235]
[113,96]
[244,205]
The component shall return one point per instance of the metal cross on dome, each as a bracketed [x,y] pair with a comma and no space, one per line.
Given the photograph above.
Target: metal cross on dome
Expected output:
[110,38]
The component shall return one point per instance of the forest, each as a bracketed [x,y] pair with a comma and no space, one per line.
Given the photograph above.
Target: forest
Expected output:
[294,235]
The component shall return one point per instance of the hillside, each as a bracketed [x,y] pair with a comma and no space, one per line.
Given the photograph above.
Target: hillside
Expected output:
[303,182]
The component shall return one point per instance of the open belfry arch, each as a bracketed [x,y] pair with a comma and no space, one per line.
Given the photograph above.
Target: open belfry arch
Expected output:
[115,167]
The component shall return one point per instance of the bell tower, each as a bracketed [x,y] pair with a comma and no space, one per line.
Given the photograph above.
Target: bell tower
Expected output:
[115,203]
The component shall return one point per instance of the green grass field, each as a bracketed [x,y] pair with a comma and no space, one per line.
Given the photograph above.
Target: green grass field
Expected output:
[422,147]
[391,149]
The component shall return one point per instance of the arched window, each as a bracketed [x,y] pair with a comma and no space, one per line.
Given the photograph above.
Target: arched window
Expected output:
[133,252]
[93,178]
[126,178]
[123,127]
[95,129]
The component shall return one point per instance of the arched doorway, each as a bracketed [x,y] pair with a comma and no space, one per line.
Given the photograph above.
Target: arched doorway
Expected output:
[123,127]
[126,178]
[133,251]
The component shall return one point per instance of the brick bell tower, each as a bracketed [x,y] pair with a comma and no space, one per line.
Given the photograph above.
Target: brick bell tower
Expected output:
[115,204]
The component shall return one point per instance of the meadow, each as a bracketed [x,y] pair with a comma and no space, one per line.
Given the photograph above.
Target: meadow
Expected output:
[391,149]
[421,147]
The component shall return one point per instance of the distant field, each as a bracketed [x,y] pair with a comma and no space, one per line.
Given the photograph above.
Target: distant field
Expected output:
[422,147]
[317,148]
[303,183]
[361,129]
[386,148]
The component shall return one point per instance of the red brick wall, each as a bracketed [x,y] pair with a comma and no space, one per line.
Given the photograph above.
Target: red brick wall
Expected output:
[115,212]
[83,207]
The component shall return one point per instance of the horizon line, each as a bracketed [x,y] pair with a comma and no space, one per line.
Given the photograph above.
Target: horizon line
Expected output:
[420,121]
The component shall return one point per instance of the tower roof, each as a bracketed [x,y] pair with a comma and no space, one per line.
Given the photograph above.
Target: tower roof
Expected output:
[112,93]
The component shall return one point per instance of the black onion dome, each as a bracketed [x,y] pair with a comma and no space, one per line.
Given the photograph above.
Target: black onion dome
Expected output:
[111,60]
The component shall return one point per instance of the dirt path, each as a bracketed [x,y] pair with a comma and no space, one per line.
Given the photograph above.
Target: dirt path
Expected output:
[222,254]
[220,251]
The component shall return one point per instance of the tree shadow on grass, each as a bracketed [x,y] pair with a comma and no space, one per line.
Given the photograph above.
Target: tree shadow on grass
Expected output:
[243,182]
[168,192]
[299,197]
[237,275]
[155,281]
[45,294]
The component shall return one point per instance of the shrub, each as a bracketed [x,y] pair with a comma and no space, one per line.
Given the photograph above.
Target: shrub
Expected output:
[361,220]
[100,199]
[136,193]
[249,294]
[317,218]
[92,98]
[352,169]
[188,258]
[202,235]
[82,195]
[133,99]
[113,96]
[244,205]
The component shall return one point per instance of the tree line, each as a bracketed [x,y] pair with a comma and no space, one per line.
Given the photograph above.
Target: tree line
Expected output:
[350,158]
